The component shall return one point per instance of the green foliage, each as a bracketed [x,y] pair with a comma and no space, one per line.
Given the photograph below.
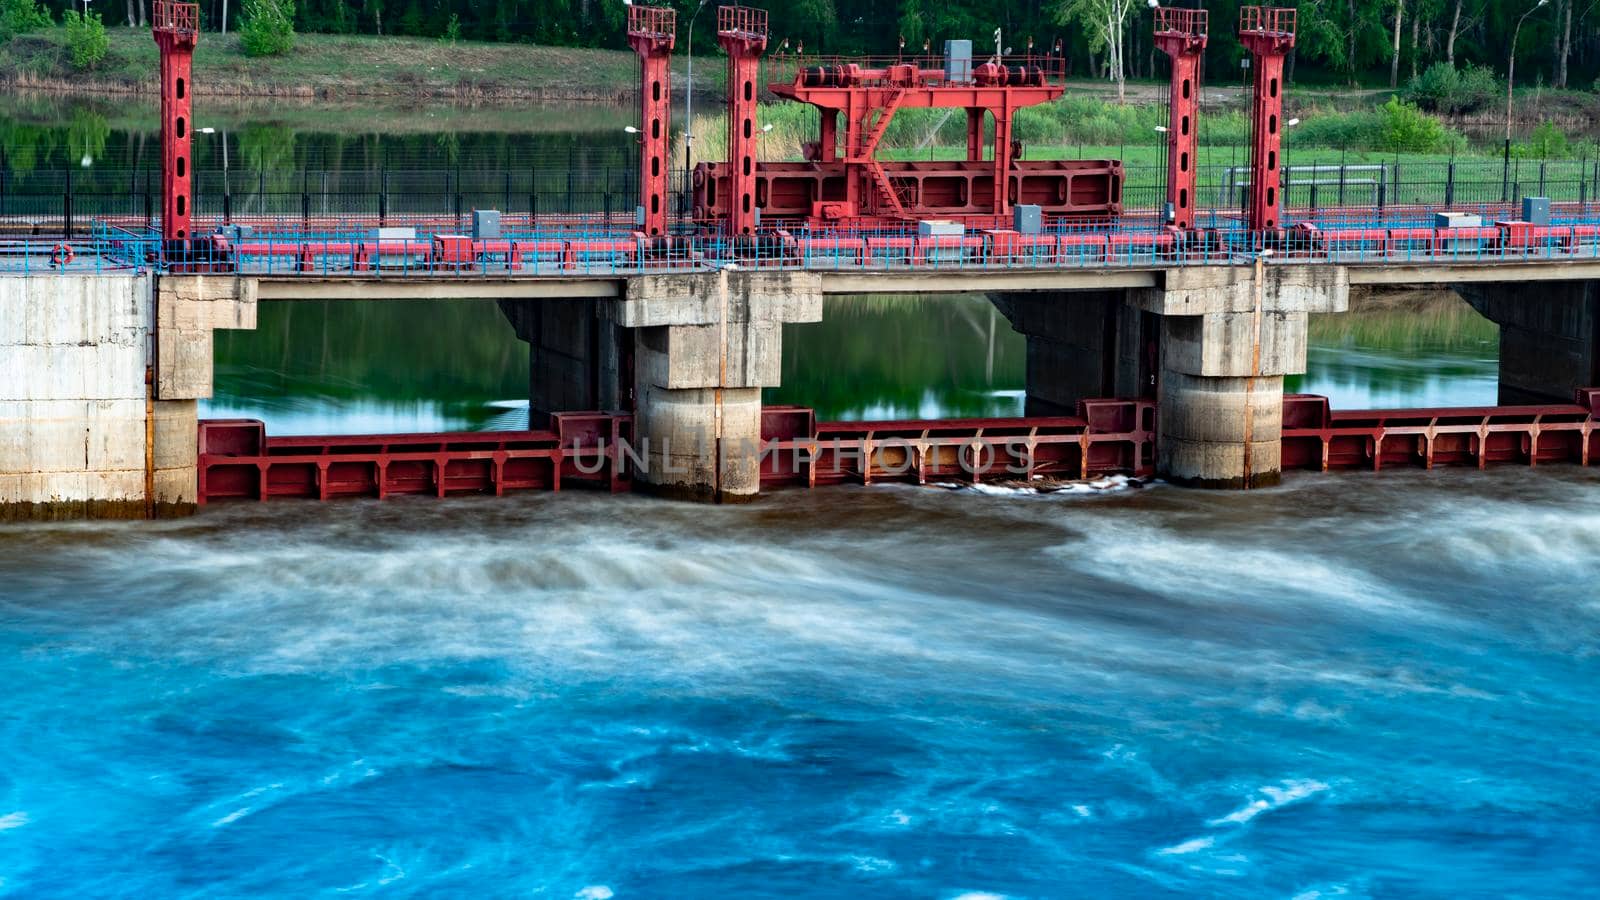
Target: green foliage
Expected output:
[1442,88]
[452,31]
[86,39]
[1396,126]
[1546,142]
[20,17]
[268,28]
[1404,127]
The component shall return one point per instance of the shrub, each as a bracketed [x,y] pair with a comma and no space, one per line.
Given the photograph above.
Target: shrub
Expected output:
[1444,89]
[86,39]
[20,17]
[1357,130]
[1405,128]
[1546,142]
[452,31]
[268,28]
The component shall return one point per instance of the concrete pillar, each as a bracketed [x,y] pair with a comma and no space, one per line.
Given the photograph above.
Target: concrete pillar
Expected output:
[1081,345]
[1549,336]
[705,345]
[575,357]
[97,405]
[1228,336]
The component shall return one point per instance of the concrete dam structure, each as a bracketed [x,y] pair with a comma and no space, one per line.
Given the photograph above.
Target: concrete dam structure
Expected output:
[98,409]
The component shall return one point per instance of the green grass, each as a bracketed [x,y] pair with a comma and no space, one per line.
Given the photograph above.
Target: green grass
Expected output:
[337,66]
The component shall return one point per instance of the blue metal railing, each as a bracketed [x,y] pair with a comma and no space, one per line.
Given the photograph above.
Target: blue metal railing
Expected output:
[585,250]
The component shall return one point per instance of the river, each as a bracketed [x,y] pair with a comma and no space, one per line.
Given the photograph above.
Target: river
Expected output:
[1347,686]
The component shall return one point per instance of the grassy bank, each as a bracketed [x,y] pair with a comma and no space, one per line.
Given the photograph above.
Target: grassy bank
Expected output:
[343,66]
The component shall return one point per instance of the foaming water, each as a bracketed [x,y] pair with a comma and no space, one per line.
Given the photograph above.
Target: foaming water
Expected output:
[1366,685]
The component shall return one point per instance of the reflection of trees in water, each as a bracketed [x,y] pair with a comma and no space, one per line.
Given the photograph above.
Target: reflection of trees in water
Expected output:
[895,351]
[391,350]
[1406,320]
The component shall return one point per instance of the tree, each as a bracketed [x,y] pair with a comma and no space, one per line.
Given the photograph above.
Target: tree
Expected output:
[268,28]
[86,39]
[20,17]
[1104,21]
[1394,59]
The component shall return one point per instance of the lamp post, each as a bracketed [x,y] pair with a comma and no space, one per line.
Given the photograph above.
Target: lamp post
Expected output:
[688,113]
[1511,71]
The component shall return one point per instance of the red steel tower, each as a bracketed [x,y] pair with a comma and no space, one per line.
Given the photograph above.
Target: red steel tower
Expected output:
[650,33]
[1181,34]
[1268,33]
[176,27]
[742,32]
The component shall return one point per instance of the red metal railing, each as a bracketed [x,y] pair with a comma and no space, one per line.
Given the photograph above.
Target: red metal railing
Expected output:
[742,20]
[930,69]
[1320,439]
[239,461]
[178,17]
[1177,20]
[1266,20]
[651,21]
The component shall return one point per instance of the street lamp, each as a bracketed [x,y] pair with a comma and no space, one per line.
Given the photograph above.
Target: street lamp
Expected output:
[1511,72]
[688,112]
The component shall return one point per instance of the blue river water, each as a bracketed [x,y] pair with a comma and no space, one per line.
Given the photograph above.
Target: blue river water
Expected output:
[1347,686]
[1350,686]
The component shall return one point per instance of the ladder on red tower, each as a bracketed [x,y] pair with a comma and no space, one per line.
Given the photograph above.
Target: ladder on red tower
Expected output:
[866,156]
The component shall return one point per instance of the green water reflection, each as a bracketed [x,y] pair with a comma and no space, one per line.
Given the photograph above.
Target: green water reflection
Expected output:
[351,367]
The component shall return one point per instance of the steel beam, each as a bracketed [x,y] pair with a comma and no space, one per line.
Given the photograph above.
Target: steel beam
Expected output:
[1181,34]
[650,34]
[1268,34]
[742,32]
[176,28]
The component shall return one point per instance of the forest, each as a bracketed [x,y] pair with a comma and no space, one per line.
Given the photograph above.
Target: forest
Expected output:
[1375,43]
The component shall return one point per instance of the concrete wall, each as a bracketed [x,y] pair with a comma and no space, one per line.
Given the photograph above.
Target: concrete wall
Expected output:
[97,406]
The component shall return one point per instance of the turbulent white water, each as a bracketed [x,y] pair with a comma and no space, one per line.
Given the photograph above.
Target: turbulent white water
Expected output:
[1349,686]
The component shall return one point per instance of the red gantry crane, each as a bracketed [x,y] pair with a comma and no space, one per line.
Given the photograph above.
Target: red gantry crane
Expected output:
[843,182]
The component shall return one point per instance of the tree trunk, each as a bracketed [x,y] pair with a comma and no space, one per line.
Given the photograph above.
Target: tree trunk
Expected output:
[1416,23]
[130,13]
[1350,42]
[1450,42]
[1566,49]
[1394,59]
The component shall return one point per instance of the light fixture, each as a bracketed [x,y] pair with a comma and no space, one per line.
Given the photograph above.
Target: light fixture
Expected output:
[208,131]
[1291,123]
[1161,128]
[766,128]
[630,129]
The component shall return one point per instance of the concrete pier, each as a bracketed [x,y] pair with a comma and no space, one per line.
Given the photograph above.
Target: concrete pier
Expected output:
[1228,336]
[97,399]
[1549,336]
[704,347]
